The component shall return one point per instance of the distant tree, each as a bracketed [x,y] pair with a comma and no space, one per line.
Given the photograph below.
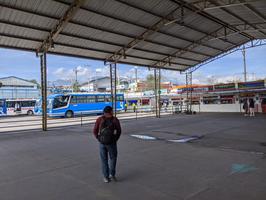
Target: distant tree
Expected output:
[35,82]
[149,82]
[76,87]
[1,84]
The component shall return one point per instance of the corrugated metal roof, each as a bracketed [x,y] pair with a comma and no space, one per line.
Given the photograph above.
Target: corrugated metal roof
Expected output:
[15,81]
[186,34]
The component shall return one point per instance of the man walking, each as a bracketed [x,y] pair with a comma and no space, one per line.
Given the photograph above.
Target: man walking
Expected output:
[107,130]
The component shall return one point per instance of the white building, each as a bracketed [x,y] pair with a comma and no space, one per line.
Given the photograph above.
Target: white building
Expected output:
[103,84]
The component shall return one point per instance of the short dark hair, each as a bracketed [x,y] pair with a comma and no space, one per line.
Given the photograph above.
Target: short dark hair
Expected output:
[107,109]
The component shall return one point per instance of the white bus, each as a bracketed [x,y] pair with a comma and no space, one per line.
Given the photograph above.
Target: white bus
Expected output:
[17,107]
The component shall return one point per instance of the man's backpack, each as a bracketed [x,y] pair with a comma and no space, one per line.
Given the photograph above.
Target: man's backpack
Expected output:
[107,135]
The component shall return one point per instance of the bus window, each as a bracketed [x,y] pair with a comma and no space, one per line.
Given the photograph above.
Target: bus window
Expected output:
[108,98]
[119,98]
[100,98]
[91,99]
[27,103]
[73,100]
[10,104]
[60,101]
[81,99]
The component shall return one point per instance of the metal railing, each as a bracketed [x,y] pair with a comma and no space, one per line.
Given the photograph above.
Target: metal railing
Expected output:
[35,122]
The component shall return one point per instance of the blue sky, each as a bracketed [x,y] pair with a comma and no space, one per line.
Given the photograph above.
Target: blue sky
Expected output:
[26,65]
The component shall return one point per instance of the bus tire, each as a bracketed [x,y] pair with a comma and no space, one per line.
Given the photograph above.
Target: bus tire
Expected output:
[30,112]
[69,114]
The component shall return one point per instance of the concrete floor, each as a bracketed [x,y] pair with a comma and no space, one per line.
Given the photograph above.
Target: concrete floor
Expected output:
[229,162]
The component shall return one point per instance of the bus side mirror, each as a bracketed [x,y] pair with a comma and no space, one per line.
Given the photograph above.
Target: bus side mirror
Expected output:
[1,84]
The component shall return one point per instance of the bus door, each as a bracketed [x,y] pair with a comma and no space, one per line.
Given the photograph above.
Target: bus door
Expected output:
[17,107]
[120,103]
[10,107]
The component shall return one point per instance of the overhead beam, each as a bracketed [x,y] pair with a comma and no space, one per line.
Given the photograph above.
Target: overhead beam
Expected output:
[205,5]
[95,40]
[167,59]
[84,48]
[190,47]
[204,14]
[176,21]
[255,12]
[244,29]
[73,8]
[173,68]
[252,44]
[141,26]
[122,52]
[235,15]
[93,27]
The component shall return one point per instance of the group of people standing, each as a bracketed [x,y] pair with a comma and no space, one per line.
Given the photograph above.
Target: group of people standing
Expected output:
[249,107]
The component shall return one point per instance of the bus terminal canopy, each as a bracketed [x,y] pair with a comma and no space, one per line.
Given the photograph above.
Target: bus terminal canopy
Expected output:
[167,34]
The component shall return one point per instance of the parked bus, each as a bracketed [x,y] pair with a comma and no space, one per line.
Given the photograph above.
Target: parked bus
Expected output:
[70,105]
[17,107]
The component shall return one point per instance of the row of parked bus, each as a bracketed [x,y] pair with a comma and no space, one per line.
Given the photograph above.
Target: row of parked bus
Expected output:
[61,105]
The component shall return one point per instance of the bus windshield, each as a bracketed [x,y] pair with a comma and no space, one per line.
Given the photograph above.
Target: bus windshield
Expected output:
[2,103]
[50,103]
[60,101]
[38,103]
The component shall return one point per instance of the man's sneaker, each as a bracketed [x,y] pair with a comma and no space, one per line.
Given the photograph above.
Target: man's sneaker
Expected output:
[106,180]
[113,178]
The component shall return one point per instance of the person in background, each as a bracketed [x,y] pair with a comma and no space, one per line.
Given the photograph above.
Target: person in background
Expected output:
[251,107]
[134,107]
[126,107]
[245,107]
[107,131]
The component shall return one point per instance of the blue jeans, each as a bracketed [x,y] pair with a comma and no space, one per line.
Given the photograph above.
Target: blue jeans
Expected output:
[110,150]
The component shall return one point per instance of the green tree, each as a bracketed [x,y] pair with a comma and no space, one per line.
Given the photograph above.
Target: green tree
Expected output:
[149,82]
[76,87]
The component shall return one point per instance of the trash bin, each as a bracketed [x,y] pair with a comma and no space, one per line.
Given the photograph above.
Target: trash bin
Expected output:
[263,105]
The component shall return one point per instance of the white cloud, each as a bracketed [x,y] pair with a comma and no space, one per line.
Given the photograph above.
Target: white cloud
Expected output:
[69,74]
[214,79]
[99,70]
[59,72]
[84,73]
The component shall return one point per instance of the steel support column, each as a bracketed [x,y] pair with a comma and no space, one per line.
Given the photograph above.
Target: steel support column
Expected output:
[157,91]
[189,92]
[44,90]
[113,85]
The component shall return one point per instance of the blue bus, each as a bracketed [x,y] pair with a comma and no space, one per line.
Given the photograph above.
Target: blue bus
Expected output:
[70,105]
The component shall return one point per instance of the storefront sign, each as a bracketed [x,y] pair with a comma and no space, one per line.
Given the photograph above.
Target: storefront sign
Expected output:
[248,85]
